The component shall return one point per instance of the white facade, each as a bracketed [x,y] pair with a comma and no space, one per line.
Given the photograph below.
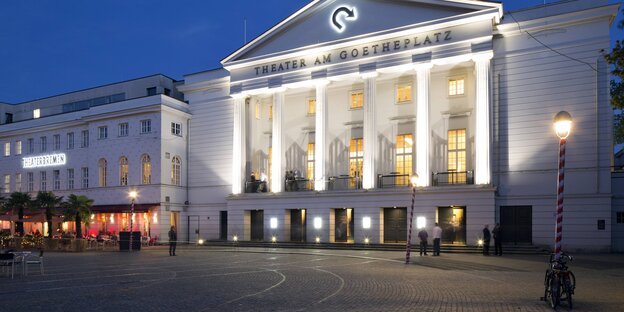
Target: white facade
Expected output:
[512,88]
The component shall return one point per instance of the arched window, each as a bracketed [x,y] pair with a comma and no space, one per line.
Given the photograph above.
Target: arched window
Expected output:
[123,171]
[102,171]
[146,169]
[175,170]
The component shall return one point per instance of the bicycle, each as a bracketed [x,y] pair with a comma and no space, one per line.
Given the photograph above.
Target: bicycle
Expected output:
[559,282]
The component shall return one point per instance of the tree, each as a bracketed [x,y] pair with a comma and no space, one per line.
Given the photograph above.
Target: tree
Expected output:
[16,203]
[47,201]
[616,60]
[78,208]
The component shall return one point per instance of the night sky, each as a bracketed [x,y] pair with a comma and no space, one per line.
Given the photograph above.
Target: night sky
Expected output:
[52,47]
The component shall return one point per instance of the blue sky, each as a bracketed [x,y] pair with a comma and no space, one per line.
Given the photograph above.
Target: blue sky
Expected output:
[51,47]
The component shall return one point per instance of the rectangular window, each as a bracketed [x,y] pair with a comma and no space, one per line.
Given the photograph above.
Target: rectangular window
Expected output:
[311,106]
[18,147]
[404,93]
[456,86]
[43,178]
[44,144]
[57,179]
[31,145]
[85,138]
[619,217]
[70,179]
[167,92]
[270,111]
[356,161]
[123,129]
[102,132]
[7,183]
[176,129]
[85,177]
[457,156]
[356,99]
[30,181]
[57,142]
[404,144]
[18,182]
[151,91]
[70,140]
[310,162]
[257,110]
[146,126]
[36,113]
[7,149]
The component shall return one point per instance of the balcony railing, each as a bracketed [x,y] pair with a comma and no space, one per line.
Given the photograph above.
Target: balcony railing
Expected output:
[344,182]
[256,187]
[453,178]
[393,180]
[298,185]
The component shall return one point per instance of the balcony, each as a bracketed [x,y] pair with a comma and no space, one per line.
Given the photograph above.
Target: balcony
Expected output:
[453,178]
[344,182]
[393,180]
[256,186]
[298,185]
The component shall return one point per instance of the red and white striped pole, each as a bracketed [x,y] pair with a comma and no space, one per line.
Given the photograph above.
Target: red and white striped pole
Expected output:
[563,125]
[411,222]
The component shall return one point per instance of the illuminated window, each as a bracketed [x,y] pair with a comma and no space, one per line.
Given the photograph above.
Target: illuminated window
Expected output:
[7,183]
[146,169]
[311,106]
[85,177]
[356,160]
[70,179]
[56,140]
[18,182]
[404,93]
[404,144]
[257,110]
[70,140]
[175,170]
[18,147]
[456,86]
[56,175]
[30,181]
[270,111]
[356,99]
[36,113]
[102,164]
[310,162]
[457,156]
[123,129]
[44,181]
[7,149]
[123,171]
[102,132]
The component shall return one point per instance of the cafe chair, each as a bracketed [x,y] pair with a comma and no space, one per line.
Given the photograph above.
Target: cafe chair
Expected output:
[8,260]
[34,259]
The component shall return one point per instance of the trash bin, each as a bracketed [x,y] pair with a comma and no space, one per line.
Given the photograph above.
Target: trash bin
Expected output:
[124,241]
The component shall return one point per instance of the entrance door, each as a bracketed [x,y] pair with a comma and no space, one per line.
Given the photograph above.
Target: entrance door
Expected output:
[223,225]
[395,225]
[344,225]
[517,224]
[452,220]
[193,229]
[257,225]
[298,225]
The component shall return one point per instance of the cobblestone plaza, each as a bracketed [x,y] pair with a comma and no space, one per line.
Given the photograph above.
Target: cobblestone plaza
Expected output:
[258,279]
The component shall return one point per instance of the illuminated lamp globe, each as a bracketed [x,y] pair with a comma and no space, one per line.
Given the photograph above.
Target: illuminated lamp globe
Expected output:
[414,180]
[132,194]
[563,124]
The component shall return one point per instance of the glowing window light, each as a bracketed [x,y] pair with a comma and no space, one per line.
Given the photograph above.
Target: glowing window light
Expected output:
[36,113]
[273,223]
[112,219]
[421,222]
[155,218]
[318,223]
[366,222]
[92,216]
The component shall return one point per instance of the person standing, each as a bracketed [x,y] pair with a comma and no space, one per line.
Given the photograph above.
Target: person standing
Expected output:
[173,238]
[498,240]
[437,236]
[486,240]
[423,241]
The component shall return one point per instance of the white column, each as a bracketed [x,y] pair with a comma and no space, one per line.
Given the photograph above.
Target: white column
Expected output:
[238,146]
[277,174]
[423,147]
[370,131]
[482,121]
[320,136]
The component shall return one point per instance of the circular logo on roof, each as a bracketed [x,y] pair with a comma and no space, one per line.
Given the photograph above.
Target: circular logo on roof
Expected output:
[341,16]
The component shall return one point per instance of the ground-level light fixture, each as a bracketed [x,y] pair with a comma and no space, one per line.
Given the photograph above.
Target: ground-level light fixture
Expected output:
[366,241]
[235,238]
[200,241]
[318,240]
[480,242]
[273,239]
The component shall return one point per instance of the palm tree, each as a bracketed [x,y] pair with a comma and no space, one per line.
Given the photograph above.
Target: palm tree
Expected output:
[47,201]
[17,202]
[78,208]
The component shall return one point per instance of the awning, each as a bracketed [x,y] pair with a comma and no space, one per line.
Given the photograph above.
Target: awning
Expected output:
[123,208]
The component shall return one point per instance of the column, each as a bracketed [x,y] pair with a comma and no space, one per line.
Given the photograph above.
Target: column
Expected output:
[320,136]
[277,174]
[423,147]
[238,146]
[370,131]
[482,119]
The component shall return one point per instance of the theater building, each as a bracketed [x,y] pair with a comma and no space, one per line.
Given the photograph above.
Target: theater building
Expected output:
[103,143]
[312,131]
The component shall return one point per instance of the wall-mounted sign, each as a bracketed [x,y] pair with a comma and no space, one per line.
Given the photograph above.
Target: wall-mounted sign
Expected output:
[348,14]
[44,161]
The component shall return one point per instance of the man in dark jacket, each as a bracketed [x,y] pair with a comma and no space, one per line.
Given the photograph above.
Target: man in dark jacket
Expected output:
[486,240]
[423,241]
[173,238]
[498,240]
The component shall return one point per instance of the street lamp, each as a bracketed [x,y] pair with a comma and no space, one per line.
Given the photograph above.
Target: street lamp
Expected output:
[133,195]
[563,125]
[414,180]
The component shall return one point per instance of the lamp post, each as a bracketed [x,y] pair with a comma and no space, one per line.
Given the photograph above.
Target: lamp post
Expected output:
[414,179]
[563,125]
[133,195]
